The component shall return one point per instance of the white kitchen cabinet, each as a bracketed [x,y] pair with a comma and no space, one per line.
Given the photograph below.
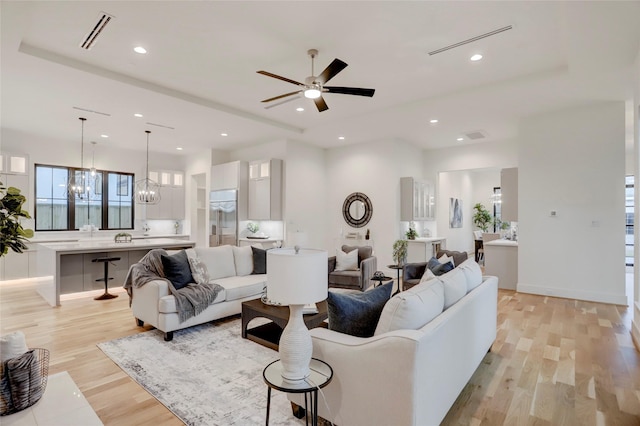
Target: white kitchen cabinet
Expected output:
[13,163]
[265,190]
[225,176]
[16,266]
[417,200]
[509,194]
[170,206]
[172,195]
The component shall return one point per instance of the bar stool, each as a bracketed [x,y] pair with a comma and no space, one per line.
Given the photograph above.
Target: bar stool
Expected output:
[106,278]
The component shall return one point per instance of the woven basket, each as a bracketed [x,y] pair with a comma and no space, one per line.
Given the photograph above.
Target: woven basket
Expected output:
[23,380]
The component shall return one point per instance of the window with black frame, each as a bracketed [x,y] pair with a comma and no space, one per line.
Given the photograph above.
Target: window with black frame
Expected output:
[105,202]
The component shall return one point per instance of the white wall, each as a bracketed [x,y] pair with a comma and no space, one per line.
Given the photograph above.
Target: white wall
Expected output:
[374,169]
[64,153]
[470,186]
[573,161]
[635,332]
[480,158]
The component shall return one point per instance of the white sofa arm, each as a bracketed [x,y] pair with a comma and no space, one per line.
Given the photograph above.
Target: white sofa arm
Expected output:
[145,302]
[365,370]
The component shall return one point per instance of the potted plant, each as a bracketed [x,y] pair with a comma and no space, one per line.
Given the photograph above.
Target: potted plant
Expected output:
[481,217]
[411,234]
[253,227]
[12,235]
[400,251]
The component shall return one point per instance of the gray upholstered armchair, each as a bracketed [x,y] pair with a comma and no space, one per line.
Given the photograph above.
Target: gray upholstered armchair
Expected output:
[357,279]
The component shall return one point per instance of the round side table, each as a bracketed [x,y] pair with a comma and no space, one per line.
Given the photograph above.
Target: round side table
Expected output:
[398,268]
[320,376]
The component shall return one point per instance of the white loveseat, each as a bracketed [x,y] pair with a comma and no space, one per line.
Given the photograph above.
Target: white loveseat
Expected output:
[411,375]
[229,266]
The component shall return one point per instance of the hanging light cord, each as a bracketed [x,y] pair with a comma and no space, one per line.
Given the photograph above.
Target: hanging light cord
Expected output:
[146,183]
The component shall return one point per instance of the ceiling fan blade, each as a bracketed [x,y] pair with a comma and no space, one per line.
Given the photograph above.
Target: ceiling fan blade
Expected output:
[350,90]
[329,72]
[321,104]
[292,98]
[282,96]
[288,80]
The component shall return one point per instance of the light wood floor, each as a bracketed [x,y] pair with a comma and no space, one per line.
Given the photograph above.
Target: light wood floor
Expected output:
[554,362]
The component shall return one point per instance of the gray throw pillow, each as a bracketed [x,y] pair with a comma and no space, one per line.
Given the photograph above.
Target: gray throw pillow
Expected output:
[357,314]
[439,268]
[176,269]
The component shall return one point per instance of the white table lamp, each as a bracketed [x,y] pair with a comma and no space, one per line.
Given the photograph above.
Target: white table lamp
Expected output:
[296,277]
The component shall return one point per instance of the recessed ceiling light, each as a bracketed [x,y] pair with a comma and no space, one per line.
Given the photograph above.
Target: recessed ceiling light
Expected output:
[299,109]
[137,115]
[224,134]
[341,138]
[179,148]
[460,139]
[433,121]
[476,57]
[140,49]
[104,136]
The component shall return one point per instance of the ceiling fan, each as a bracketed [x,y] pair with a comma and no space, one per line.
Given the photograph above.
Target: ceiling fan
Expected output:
[314,86]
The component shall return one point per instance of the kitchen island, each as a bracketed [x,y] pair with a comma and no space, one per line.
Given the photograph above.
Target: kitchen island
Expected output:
[501,260]
[68,267]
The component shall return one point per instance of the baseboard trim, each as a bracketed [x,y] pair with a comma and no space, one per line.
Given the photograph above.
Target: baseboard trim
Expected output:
[590,296]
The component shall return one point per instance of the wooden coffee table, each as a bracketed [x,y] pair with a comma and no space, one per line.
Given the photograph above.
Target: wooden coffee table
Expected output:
[269,334]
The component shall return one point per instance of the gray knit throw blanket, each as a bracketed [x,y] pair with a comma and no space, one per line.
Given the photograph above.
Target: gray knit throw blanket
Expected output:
[190,300]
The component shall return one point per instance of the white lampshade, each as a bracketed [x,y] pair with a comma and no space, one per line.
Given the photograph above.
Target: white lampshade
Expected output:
[297,279]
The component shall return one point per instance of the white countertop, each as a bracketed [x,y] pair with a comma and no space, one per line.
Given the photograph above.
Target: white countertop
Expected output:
[503,243]
[98,245]
[427,239]
[39,239]
[257,240]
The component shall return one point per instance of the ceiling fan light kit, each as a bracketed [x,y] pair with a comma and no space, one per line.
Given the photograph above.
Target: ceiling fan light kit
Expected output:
[314,86]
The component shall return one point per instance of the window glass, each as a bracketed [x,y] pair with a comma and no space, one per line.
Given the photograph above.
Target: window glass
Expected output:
[54,210]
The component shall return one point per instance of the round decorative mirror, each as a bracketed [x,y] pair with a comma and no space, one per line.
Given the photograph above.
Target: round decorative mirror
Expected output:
[357,210]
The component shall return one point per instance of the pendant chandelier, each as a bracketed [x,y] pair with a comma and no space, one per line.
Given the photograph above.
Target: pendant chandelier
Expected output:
[80,185]
[147,190]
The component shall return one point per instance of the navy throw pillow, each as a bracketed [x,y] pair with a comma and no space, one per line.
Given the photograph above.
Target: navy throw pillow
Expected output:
[357,314]
[259,260]
[176,269]
[439,268]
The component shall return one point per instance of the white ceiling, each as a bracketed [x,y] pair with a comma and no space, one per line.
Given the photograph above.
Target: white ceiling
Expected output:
[199,75]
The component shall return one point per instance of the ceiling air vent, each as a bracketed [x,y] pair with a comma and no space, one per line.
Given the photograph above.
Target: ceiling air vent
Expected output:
[90,38]
[92,111]
[471,40]
[475,135]
[161,125]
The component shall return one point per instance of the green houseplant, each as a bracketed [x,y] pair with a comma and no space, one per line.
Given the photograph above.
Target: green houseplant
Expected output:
[481,217]
[12,235]
[411,234]
[400,251]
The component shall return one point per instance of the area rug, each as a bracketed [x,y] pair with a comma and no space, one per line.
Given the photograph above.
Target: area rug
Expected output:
[207,375]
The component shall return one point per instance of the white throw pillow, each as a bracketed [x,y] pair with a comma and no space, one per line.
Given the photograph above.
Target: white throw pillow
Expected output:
[428,274]
[472,272]
[12,345]
[413,308]
[455,286]
[346,261]
[199,270]
[243,257]
[444,259]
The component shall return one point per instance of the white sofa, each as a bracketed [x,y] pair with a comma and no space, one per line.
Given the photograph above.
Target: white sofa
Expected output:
[229,266]
[411,375]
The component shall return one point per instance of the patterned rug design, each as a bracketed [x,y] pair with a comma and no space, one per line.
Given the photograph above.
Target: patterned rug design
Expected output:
[207,375]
